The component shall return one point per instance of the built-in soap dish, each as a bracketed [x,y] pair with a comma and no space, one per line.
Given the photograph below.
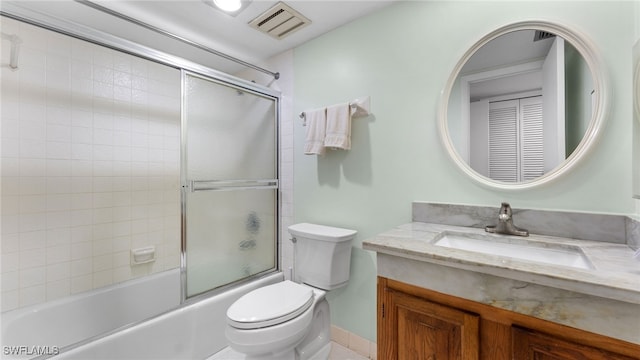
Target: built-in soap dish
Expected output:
[143,255]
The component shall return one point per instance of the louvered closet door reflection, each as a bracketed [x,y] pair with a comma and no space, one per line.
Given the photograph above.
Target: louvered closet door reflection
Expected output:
[532,148]
[516,147]
[503,141]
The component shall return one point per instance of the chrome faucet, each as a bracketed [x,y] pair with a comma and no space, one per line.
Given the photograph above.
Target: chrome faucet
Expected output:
[505,223]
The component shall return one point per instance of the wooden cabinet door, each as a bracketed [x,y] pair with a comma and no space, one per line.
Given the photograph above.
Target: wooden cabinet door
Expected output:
[418,329]
[416,323]
[529,345]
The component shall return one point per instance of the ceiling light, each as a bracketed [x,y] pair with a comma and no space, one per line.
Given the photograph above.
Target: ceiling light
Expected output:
[228,5]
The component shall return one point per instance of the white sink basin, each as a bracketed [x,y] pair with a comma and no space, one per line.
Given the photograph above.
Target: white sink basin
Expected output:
[522,249]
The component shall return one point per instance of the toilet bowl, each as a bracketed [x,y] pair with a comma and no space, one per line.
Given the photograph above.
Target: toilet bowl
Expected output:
[289,320]
[278,333]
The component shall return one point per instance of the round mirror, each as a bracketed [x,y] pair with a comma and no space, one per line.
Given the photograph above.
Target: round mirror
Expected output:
[523,105]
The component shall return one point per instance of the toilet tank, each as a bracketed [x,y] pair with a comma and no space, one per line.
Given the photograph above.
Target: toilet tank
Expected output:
[322,255]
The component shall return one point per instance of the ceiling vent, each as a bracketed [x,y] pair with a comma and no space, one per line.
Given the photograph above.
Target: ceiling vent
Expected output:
[280,21]
[541,35]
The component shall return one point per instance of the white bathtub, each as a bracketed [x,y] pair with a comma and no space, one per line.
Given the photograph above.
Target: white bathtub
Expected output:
[194,331]
[72,319]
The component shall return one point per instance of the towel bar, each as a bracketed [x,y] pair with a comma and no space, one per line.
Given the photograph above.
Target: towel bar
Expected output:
[359,107]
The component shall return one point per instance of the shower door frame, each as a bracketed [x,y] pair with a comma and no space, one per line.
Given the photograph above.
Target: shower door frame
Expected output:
[188,186]
[97,37]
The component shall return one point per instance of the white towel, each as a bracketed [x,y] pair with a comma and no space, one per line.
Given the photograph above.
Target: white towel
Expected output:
[316,126]
[338,133]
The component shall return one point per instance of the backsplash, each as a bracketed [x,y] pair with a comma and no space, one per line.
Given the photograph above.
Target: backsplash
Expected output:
[584,226]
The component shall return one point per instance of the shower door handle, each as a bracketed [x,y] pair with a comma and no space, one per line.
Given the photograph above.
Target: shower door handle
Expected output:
[225,185]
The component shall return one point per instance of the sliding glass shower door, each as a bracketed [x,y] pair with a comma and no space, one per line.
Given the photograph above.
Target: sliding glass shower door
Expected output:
[229,183]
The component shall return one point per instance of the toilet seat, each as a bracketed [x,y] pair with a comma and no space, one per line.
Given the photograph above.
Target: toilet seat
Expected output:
[270,305]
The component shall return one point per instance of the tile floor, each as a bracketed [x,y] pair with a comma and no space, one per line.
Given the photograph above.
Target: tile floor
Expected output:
[338,352]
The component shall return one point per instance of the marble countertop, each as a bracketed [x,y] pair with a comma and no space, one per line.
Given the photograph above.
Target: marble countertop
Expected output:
[615,273]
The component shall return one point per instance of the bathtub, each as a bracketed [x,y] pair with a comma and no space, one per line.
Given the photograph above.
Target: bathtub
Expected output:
[66,321]
[192,331]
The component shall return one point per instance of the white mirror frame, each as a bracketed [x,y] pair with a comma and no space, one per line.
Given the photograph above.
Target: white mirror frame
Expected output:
[586,48]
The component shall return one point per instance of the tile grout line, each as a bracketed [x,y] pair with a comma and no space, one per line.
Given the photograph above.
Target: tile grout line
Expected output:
[354,342]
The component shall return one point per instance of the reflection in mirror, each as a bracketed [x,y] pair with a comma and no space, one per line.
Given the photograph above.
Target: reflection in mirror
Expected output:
[520,103]
[524,103]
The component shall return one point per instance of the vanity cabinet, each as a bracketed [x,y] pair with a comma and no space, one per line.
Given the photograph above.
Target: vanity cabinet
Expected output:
[530,345]
[417,323]
[426,330]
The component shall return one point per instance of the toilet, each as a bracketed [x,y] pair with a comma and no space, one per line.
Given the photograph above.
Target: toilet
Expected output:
[291,320]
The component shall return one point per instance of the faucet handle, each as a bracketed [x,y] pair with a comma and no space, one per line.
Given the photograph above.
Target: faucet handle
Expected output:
[505,208]
[505,223]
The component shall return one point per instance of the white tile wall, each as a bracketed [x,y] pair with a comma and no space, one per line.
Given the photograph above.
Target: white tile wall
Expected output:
[90,142]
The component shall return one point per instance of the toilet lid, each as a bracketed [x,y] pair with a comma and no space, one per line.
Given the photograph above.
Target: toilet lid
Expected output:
[270,305]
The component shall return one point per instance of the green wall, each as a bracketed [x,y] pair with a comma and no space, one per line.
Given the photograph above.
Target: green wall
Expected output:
[401,56]
[578,89]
